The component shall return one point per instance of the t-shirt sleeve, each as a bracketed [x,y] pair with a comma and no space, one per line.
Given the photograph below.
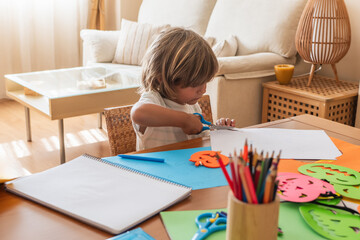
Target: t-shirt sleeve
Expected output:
[150,97]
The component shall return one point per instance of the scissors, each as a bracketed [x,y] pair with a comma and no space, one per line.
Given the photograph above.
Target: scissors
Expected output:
[213,222]
[211,126]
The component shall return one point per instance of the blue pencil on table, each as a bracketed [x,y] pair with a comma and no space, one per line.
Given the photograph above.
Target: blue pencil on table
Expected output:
[137,157]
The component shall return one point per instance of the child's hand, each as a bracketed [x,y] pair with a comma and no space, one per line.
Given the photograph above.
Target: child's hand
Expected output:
[192,125]
[225,122]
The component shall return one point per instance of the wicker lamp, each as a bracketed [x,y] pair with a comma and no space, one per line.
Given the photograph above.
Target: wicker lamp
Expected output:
[323,35]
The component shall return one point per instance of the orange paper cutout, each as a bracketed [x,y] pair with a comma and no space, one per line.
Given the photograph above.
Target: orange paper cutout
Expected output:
[208,159]
[350,158]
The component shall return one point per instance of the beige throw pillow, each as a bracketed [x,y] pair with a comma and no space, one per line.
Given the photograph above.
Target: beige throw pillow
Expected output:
[134,40]
[100,45]
[226,48]
[210,40]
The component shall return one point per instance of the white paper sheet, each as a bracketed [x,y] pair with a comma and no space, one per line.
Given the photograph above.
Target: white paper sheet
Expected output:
[103,195]
[294,144]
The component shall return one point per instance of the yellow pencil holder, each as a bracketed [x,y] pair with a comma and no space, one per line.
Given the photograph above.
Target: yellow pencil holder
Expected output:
[251,221]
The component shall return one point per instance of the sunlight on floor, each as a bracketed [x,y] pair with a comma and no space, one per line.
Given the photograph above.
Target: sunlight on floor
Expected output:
[48,146]
[10,169]
[20,149]
[72,140]
[12,152]
[14,149]
[87,137]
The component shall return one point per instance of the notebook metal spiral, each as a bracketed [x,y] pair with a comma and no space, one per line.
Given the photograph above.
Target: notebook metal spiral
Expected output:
[133,170]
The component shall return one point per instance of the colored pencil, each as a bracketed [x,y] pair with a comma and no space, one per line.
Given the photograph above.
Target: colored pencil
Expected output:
[275,189]
[238,178]
[222,166]
[244,185]
[255,156]
[257,173]
[137,157]
[272,186]
[250,159]
[234,178]
[261,178]
[250,184]
[267,191]
[254,162]
[245,155]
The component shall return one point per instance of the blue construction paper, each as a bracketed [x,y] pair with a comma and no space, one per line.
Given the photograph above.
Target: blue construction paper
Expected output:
[136,234]
[177,168]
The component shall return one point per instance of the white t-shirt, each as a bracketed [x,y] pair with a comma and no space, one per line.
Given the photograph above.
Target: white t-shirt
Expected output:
[159,136]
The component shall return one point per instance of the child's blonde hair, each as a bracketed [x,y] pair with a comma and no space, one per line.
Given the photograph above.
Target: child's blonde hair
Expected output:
[178,57]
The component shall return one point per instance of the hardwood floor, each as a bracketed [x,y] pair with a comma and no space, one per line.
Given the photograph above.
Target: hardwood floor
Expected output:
[17,156]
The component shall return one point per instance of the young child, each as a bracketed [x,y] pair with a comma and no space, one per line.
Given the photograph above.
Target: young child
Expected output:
[176,69]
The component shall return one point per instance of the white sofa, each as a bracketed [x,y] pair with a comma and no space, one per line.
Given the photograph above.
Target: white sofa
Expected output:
[265,32]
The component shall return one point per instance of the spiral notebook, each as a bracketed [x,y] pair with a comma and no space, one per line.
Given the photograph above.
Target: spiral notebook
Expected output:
[108,196]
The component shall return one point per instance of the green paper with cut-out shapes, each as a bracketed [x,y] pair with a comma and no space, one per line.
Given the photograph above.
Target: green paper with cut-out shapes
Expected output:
[330,222]
[348,191]
[329,201]
[332,173]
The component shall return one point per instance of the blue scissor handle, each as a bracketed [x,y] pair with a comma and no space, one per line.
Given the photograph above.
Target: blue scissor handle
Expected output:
[202,119]
[206,216]
[212,224]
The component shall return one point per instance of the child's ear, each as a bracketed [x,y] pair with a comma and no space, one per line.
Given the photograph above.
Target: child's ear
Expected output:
[158,80]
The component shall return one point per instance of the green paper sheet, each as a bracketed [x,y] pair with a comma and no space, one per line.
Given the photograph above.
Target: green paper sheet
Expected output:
[293,225]
[181,225]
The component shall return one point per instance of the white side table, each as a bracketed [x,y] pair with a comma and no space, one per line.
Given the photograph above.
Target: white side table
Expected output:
[57,95]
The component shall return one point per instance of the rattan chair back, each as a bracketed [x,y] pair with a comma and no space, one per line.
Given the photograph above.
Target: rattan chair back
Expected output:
[121,135]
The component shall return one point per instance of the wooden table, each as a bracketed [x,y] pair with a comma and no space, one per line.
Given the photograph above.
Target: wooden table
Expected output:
[23,219]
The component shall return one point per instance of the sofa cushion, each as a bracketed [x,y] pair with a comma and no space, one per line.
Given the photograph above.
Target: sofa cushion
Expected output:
[100,45]
[251,65]
[134,40]
[210,40]
[225,48]
[192,14]
[260,25]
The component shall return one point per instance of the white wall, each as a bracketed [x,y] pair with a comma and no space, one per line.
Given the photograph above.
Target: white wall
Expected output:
[349,67]
[350,64]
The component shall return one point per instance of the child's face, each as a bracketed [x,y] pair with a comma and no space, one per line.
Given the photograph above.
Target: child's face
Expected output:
[189,95]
